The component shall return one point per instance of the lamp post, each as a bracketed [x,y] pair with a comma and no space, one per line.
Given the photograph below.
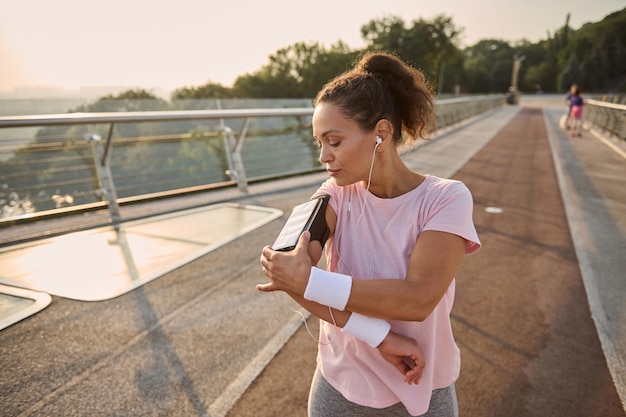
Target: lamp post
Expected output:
[517,62]
[518,58]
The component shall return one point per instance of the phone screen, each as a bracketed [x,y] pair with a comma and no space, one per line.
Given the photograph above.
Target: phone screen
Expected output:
[300,220]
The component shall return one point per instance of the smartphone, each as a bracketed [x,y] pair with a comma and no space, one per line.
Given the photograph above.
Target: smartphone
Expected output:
[310,216]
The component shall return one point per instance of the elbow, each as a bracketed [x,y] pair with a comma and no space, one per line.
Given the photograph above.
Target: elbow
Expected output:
[416,311]
[415,306]
[422,315]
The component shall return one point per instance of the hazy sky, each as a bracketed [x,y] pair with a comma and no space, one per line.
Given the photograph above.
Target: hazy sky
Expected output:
[170,44]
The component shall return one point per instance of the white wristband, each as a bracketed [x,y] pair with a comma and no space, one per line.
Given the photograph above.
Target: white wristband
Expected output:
[371,330]
[328,288]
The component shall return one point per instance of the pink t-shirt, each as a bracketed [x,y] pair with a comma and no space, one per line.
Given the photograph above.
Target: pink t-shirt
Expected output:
[376,243]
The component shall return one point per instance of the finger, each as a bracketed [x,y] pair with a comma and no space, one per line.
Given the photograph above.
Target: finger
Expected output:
[266,256]
[269,287]
[413,376]
[303,241]
[404,370]
[264,263]
[266,252]
[418,360]
[409,362]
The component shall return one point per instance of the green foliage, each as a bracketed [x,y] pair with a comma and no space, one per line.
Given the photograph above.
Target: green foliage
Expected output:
[488,66]
[539,71]
[208,90]
[596,55]
[127,101]
[431,46]
[298,71]
[572,74]
[130,100]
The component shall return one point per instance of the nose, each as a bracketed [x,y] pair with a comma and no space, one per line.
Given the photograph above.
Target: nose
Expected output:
[325,154]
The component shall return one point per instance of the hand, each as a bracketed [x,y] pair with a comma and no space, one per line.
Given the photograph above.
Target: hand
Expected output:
[287,271]
[403,353]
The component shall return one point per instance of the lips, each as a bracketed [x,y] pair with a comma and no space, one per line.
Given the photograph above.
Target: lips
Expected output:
[332,172]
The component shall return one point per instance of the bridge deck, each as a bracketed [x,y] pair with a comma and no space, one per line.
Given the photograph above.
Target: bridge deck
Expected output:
[539,315]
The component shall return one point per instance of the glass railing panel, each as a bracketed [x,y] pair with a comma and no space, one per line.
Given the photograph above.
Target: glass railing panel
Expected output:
[51,167]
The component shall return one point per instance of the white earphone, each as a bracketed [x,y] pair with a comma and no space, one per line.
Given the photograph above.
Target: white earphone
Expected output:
[379,140]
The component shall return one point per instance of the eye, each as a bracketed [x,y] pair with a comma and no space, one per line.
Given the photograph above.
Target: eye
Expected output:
[331,143]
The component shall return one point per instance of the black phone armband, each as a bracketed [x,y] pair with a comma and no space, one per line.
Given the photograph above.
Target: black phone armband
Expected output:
[310,216]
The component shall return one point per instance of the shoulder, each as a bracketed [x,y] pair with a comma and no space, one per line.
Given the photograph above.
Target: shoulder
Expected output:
[444,186]
[328,187]
[338,195]
[450,207]
[441,194]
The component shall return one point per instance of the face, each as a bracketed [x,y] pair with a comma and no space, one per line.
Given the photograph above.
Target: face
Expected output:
[345,149]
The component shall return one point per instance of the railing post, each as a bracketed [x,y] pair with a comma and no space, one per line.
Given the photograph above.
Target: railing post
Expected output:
[103,173]
[233,154]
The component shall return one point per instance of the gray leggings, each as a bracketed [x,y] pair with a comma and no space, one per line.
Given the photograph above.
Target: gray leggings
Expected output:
[326,401]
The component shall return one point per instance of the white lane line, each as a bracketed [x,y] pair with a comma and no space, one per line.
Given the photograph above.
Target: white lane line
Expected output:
[232,393]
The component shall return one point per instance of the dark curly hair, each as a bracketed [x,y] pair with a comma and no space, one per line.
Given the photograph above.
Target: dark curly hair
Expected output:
[381,86]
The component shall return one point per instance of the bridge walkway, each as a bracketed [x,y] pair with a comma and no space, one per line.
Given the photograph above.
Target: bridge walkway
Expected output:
[539,315]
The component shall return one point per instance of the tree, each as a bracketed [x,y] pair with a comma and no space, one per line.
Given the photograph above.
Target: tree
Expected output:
[208,90]
[540,69]
[572,74]
[488,66]
[315,65]
[386,34]
[600,49]
[431,46]
[445,54]
[297,71]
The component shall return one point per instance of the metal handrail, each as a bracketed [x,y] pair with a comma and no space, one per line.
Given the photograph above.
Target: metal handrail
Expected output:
[609,117]
[449,112]
[147,116]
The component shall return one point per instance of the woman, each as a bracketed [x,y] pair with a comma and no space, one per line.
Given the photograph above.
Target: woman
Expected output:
[397,240]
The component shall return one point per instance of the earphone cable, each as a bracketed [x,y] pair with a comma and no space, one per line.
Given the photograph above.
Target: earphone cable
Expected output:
[332,316]
[336,241]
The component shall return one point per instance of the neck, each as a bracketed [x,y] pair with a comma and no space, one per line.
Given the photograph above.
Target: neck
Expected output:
[393,178]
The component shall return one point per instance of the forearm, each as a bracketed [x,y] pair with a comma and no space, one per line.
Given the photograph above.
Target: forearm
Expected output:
[394,299]
[432,267]
[402,352]
[339,318]
[391,299]
[370,330]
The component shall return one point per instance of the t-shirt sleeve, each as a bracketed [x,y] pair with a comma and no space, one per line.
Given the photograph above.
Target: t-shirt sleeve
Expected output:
[329,188]
[452,213]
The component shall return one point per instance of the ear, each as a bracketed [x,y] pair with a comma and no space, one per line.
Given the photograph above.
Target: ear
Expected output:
[384,129]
